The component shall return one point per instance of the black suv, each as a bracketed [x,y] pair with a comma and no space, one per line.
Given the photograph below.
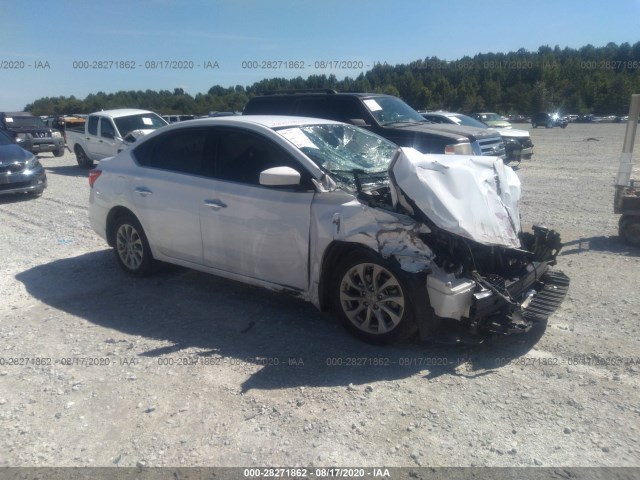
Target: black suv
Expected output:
[386,115]
[548,120]
[31,133]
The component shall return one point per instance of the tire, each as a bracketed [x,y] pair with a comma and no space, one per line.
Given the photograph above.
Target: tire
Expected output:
[131,247]
[35,193]
[82,158]
[59,152]
[359,287]
[629,230]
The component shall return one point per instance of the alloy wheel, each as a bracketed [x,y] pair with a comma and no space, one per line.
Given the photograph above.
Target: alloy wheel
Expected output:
[372,299]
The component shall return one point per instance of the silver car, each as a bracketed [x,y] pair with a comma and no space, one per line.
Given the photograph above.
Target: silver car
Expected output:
[393,240]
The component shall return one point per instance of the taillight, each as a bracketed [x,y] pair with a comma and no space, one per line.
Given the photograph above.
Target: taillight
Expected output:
[93,176]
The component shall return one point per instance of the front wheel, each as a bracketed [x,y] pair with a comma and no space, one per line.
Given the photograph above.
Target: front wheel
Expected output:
[59,152]
[375,300]
[131,246]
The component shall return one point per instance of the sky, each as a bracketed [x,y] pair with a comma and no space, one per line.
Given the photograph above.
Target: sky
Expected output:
[70,47]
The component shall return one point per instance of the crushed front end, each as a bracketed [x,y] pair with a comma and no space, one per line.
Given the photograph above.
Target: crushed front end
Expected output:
[494,289]
[485,273]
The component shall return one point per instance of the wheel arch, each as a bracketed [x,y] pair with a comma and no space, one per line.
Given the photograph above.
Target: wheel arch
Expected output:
[115,213]
[333,254]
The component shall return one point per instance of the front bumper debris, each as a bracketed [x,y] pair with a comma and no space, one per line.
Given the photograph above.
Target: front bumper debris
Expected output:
[543,298]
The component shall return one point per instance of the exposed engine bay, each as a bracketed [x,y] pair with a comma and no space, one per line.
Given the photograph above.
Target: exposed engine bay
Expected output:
[483,271]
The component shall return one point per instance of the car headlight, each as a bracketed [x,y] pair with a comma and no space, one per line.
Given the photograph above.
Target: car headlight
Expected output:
[32,163]
[56,135]
[21,137]
[458,149]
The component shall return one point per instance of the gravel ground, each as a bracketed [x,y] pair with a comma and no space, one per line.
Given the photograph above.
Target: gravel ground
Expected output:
[185,369]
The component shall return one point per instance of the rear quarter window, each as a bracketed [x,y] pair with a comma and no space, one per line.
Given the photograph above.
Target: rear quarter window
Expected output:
[182,151]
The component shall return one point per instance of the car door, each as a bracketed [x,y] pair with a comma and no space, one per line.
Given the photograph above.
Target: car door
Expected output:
[252,230]
[169,189]
[91,137]
[107,145]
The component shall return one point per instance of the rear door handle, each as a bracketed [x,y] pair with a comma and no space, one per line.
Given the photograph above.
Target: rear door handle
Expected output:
[142,191]
[215,204]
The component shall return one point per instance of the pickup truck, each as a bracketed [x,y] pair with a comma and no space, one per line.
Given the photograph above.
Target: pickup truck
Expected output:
[107,133]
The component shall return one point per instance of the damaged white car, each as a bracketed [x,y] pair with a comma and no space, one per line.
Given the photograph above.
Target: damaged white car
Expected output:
[394,241]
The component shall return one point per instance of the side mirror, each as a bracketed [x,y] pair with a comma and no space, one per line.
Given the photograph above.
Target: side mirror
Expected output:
[358,122]
[279,177]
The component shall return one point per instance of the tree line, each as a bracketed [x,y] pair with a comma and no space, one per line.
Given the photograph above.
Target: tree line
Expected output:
[598,80]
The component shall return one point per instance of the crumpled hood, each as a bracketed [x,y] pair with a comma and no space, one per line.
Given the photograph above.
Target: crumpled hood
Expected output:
[475,197]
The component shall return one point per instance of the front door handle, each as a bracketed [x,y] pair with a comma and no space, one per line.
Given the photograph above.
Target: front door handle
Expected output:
[143,191]
[215,204]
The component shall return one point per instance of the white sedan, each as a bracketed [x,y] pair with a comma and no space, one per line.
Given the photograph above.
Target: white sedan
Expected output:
[394,241]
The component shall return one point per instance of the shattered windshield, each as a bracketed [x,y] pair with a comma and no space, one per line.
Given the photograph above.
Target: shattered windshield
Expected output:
[392,110]
[352,156]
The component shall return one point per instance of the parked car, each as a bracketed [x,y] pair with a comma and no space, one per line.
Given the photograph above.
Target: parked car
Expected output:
[385,115]
[517,143]
[106,133]
[548,120]
[31,133]
[518,119]
[491,119]
[222,113]
[178,118]
[20,170]
[393,240]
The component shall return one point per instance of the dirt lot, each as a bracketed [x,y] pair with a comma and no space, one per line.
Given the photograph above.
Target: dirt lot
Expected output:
[188,369]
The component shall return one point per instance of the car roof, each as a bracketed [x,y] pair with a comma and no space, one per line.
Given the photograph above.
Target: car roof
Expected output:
[268,121]
[301,93]
[121,112]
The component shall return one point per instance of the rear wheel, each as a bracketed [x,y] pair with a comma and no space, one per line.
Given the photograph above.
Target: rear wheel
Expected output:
[375,300]
[629,230]
[82,158]
[131,246]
